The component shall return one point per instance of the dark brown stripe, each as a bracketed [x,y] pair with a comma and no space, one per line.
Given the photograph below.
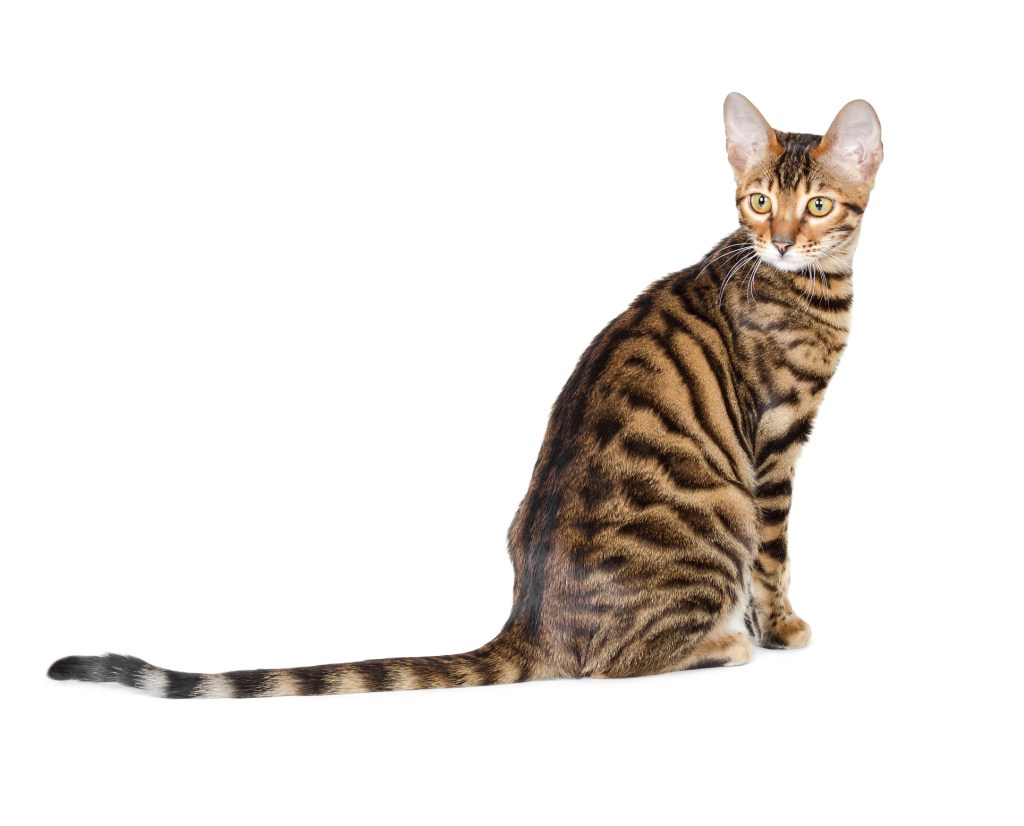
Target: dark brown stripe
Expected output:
[244,683]
[783,488]
[374,673]
[800,430]
[776,549]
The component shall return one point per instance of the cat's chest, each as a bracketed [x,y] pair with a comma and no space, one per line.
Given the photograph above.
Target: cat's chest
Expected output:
[791,359]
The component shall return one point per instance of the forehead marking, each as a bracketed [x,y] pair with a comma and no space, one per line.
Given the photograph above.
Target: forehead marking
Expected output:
[794,164]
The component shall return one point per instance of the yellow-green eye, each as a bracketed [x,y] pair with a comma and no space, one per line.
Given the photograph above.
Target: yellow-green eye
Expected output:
[760,203]
[819,206]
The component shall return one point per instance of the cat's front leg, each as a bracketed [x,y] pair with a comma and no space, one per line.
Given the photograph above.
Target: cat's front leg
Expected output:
[770,618]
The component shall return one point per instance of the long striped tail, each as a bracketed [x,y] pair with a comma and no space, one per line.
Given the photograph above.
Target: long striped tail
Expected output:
[503,660]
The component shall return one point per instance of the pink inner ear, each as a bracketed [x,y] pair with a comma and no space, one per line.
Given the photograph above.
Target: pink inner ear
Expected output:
[855,139]
[747,133]
[854,154]
[741,156]
[865,159]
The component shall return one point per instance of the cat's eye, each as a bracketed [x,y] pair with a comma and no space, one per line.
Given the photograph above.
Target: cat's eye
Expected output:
[760,203]
[819,206]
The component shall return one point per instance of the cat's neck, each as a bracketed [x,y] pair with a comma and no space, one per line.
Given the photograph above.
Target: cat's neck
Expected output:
[753,290]
[784,331]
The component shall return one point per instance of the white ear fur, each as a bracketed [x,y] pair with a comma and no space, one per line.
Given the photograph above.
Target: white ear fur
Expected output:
[855,139]
[747,133]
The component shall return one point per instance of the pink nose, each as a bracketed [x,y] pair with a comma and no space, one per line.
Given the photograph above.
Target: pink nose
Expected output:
[782,246]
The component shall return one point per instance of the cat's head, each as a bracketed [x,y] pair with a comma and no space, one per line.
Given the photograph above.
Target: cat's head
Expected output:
[801,197]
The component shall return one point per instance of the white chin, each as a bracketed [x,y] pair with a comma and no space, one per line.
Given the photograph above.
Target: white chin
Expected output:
[785,264]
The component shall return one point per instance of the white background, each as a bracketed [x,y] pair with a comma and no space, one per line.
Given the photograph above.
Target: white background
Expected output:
[288,290]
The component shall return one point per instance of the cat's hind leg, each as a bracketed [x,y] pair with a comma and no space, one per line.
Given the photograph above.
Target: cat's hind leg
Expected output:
[689,643]
[676,595]
[725,649]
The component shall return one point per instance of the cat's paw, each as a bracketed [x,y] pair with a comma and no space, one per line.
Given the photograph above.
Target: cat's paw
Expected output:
[787,632]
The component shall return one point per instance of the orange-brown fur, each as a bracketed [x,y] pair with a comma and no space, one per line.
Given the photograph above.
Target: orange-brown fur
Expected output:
[655,522]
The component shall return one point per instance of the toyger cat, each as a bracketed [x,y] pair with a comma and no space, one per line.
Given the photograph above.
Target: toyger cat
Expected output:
[654,526]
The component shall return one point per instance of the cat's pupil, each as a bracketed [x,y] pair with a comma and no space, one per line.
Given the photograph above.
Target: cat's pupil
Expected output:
[818,203]
[760,201]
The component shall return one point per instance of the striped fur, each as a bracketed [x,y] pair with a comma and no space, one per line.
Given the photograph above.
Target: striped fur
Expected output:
[654,527]
[503,660]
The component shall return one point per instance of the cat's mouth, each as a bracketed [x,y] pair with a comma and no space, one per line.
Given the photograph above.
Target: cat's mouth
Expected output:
[819,263]
[790,262]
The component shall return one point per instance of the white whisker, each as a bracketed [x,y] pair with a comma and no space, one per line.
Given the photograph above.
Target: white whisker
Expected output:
[729,275]
[729,251]
[753,274]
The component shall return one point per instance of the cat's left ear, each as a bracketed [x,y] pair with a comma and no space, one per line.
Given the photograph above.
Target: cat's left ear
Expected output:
[854,140]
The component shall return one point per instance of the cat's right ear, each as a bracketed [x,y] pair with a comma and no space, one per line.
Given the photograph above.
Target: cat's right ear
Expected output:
[854,140]
[747,134]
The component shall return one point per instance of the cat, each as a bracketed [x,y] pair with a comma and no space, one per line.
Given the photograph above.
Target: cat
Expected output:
[653,532]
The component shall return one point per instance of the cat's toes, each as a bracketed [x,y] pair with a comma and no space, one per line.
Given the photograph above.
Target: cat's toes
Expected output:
[738,650]
[787,632]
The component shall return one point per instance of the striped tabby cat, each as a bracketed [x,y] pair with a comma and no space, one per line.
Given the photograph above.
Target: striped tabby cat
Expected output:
[655,523]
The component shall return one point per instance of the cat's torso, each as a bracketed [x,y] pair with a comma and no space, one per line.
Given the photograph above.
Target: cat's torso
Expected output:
[647,487]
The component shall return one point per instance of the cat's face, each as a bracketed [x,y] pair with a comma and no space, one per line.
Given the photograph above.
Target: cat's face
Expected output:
[801,197]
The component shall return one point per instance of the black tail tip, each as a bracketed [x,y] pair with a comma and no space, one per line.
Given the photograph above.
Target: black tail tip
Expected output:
[74,668]
[110,668]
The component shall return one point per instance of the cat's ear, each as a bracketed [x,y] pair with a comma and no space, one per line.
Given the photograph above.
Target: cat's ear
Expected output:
[747,134]
[854,140]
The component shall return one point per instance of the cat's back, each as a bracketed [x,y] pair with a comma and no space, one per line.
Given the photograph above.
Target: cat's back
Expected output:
[645,464]
[667,369]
